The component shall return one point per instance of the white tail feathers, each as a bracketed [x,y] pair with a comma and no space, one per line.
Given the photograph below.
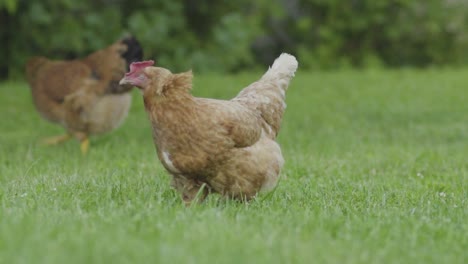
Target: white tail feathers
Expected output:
[284,65]
[267,95]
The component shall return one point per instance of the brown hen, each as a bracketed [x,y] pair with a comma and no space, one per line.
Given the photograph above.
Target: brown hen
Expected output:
[211,145]
[84,95]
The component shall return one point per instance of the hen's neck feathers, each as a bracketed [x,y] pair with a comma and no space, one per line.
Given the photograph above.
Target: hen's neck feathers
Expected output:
[172,90]
[172,98]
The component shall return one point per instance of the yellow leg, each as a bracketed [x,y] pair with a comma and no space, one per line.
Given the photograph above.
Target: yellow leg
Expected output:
[56,140]
[84,146]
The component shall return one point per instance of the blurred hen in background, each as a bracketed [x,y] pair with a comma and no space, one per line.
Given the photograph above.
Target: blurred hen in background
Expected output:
[84,95]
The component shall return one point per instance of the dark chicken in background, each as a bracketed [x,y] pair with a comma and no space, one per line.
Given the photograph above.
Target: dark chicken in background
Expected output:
[84,95]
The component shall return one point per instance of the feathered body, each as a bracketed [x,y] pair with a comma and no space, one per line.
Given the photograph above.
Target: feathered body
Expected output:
[228,146]
[84,95]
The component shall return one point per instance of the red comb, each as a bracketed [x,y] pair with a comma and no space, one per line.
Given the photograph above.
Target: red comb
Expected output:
[136,66]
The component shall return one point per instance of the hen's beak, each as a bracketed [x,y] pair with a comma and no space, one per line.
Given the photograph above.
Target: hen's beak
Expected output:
[125,82]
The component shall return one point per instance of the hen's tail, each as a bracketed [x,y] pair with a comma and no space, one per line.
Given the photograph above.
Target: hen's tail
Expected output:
[267,96]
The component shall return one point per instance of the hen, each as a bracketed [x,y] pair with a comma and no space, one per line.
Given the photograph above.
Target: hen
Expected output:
[84,95]
[210,145]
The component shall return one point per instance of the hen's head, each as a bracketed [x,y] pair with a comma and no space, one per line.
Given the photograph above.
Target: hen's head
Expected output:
[156,80]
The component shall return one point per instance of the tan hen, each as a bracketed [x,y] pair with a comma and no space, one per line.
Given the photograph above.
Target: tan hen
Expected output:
[211,145]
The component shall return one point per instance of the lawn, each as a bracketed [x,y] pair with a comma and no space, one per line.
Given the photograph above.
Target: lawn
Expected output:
[376,172]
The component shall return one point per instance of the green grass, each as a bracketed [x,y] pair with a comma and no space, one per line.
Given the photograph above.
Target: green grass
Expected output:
[376,172]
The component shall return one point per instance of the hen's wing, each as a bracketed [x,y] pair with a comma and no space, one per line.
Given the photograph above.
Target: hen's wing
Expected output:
[52,81]
[232,121]
[79,104]
[57,79]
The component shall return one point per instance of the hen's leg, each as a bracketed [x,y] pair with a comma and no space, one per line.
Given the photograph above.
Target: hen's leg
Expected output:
[56,140]
[84,145]
[191,190]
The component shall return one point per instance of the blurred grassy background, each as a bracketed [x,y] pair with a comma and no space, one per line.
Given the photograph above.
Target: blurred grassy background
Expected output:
[232,36]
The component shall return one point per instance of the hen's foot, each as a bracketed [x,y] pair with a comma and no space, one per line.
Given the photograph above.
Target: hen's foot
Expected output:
[195,195]
[192,190]
[84,146]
